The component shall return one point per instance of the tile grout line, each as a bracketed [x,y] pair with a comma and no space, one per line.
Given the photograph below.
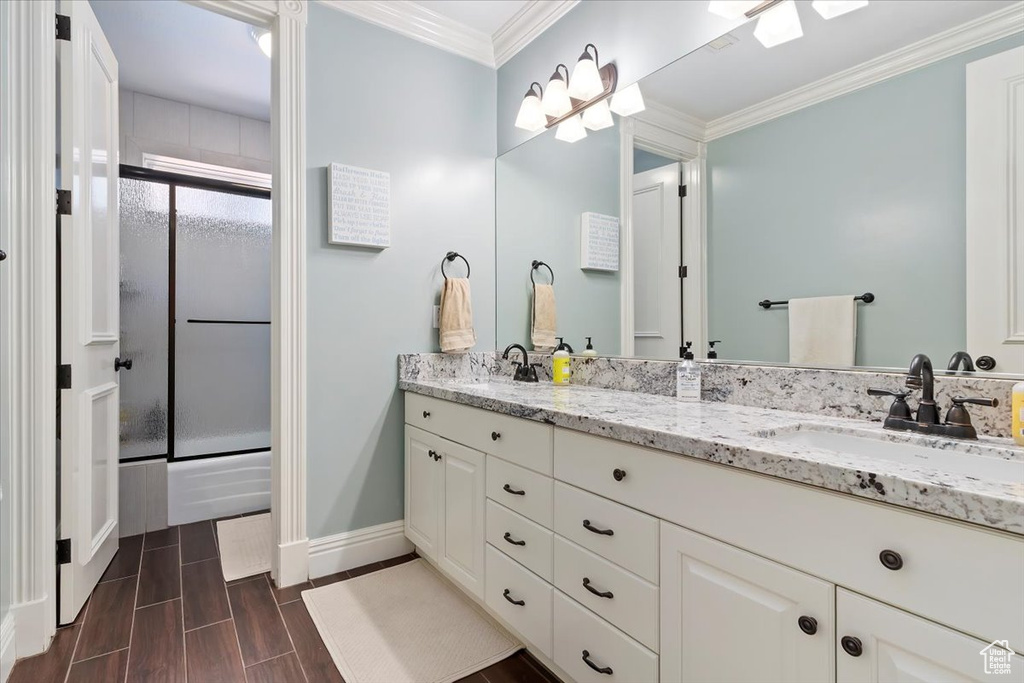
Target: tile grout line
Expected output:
[234,624]
[105,654]
[214,623]
[284,623]
[181,594]
[135,607]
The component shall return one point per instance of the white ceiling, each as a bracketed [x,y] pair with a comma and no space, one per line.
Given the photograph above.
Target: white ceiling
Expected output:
[171,49]
[486,16]
[709,84]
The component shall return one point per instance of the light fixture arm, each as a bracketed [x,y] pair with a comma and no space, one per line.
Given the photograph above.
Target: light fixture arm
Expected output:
[540,90]
[586,54]
[559,76]
[761,9]
[610,79]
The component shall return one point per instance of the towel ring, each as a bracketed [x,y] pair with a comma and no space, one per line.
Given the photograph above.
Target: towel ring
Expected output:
[538,264]
[451,256]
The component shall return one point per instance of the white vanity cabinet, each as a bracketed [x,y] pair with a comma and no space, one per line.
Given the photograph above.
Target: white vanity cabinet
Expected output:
[444,500]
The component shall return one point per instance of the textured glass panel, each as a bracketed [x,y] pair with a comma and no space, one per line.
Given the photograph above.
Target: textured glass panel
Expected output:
[222,370]
[144,277]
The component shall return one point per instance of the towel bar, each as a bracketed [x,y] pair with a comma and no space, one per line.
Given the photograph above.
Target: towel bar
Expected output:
[866,297]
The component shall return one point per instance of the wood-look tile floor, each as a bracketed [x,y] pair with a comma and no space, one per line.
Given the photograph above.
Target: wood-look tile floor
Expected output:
[162,613]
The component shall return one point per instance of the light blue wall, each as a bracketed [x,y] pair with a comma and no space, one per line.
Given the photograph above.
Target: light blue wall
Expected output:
[648,161]
[640,36]
[378,100]
[863,192]
[543,187]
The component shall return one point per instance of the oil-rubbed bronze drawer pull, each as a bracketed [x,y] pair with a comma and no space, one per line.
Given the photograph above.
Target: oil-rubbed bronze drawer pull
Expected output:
[606,670]
[808,625]
[600,594]
[512,600]
[508,489]
[590,527]
[508,537]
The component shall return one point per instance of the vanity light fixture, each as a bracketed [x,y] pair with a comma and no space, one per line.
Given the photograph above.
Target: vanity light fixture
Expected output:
[598,117]
[779,21]
[585,82]
[531,114]
[628,102]
[263,38]
[829,9]
[571,130]
[555,101]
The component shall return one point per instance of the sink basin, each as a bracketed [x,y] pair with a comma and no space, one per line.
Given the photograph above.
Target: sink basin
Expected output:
[973,459]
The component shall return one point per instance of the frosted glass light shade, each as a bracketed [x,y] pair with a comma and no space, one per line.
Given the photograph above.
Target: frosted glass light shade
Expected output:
[732,9]
[586,82]
[628,101]
[263,38]
[778,25]
[531,116]
[556,102]
[829,9]
[598,116]
[571,130]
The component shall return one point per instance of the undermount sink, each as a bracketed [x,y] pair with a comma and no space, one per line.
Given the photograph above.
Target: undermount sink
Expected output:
[973,459]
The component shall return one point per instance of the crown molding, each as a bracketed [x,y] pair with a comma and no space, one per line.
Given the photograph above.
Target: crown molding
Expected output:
[419,23]
[528,23]
[983,30]
[673,120]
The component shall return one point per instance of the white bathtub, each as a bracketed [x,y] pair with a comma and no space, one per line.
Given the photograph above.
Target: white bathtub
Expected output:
[217,487]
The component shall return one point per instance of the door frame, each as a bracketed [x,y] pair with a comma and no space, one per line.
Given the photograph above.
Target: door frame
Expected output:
[636,132]
[30,343]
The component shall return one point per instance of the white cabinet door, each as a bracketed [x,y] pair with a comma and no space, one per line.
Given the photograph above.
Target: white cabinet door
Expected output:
[90,328]
[728,615]
[876,643]
[461,547]
[422,490]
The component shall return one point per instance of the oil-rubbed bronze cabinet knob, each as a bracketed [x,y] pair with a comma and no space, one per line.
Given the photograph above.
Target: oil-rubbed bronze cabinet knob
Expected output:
[495,436]
[891,559]
[808,625]
[426,414]
[852,646]
[619,474]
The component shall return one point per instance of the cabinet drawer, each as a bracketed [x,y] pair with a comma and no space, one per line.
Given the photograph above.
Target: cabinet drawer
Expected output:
[526,542]
[520,489]
[581,632]
[626,600]
[960,575]
[508,584]
[520,441]
[587,519]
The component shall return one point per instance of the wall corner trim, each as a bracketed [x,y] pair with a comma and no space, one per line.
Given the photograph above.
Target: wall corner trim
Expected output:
[351,549]
[999,24]
[529,22]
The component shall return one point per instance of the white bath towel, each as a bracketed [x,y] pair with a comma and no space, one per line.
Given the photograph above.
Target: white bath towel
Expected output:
[456,334]
[823,330]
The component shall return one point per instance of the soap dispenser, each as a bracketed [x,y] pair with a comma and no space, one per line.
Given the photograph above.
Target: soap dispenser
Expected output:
[561,363]
[589,352]
[1017,403]
[712,354]
[688,377]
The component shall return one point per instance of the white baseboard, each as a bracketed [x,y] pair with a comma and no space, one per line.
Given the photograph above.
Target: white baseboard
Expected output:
[34,623]
[293,563]
[7,653]
[352,549]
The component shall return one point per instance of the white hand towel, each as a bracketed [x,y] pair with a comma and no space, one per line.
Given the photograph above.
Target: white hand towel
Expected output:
[823,330]
[543,319]
[456,333]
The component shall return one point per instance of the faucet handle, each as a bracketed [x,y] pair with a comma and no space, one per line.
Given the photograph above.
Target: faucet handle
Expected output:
[990,402]
[959,417]
[899,408]
[898,395]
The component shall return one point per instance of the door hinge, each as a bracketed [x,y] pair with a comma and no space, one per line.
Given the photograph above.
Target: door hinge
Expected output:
[63,202]
[63,27]
[64,551]
[63,376]
[682,190]
[682,271]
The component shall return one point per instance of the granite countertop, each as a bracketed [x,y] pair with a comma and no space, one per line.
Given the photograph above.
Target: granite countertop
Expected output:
[741,436]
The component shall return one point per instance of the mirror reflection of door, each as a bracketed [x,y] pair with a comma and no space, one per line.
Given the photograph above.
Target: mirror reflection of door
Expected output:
[657,291]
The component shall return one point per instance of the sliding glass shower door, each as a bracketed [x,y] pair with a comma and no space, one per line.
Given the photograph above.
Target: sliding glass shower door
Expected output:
[222,323]
[195,316]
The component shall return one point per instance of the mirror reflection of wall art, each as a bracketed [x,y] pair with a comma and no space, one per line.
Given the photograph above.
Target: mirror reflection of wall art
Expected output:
[599,242]
[360,207]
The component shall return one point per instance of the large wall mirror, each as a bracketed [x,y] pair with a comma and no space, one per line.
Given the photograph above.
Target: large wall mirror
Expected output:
[861,158]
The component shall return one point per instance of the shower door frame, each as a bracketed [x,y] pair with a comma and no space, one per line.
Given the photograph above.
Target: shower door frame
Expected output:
[174,181]
[32,76]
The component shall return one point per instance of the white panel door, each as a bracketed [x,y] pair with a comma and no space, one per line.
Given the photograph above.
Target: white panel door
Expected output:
[995,209]
[657,289]
[885,644]
[730,616]
[89,306]
[461,553]
[422,489]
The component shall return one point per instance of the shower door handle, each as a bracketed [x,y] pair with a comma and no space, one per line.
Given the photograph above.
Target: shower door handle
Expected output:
[126,364]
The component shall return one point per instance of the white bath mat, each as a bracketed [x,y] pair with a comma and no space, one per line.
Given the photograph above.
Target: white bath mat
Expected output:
[405,623]
[244,546]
